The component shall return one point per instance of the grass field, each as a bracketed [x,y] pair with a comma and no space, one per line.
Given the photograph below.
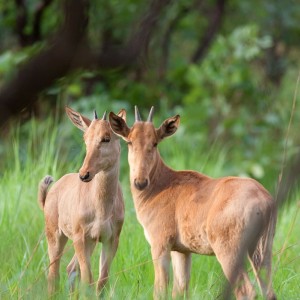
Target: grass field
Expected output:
[23,247]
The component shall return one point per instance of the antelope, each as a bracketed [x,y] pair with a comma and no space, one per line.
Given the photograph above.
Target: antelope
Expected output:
[185,212]
[84,210]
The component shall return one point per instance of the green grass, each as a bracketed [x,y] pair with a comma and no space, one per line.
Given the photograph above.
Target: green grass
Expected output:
[23,247]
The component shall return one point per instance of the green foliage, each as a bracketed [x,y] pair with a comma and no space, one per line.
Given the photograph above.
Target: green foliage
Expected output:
[282,20]
[42,147]
[233,122]
[10,60]
[224,100]
[116,17]
[224,82]
[227,102]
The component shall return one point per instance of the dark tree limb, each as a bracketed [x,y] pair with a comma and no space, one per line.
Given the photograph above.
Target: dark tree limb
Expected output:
[146,26]
[24,38]
[21,22]
[107,30]
[69,51]
[166,40]
[37,22]
[50,64]
[213,27]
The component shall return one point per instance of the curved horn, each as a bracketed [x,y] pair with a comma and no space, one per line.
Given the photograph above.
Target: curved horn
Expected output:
[95,115]
[104,116]
[150,117]
[137,115]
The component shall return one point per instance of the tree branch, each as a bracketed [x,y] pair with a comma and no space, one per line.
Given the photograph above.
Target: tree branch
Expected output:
[165,45]
[36,27]
[166,40]
[69,51]
[213,27]
[50,64]
[21,22]
[137,44]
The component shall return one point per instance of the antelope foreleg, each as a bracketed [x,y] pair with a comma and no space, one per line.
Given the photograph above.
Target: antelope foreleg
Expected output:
[109,249]
[83,252]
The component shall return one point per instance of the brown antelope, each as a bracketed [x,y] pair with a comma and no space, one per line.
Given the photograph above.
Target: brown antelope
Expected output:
[184,212]
[84,210]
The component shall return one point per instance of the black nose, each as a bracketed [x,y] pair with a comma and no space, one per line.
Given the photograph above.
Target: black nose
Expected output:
[85,177]
[140,185]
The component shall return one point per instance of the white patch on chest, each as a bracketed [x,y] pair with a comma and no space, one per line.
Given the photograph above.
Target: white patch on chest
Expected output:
[100,229]
[147,236]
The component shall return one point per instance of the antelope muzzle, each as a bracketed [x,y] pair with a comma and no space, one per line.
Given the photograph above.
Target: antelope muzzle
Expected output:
[86,177]
[141,184]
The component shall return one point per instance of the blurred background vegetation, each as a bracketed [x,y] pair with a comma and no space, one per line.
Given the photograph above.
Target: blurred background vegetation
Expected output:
[228,67]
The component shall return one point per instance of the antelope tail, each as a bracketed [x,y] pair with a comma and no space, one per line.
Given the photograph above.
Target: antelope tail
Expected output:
[42,190]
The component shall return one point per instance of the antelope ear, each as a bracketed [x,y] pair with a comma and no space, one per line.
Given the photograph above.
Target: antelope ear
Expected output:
[122,114]
[78,119]
[168,127]
[118,125]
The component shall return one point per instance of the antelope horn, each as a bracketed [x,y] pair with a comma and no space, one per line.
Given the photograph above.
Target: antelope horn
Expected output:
[150,117]
[104,116]
[137,115]
[95,115]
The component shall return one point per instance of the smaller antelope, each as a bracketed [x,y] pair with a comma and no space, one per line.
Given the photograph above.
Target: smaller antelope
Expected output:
[84,210]
[184,212]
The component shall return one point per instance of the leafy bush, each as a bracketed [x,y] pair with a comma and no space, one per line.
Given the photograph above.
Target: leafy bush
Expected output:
[228,102]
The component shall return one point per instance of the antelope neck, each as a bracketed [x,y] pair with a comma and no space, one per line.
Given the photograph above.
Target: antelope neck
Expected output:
[105,185]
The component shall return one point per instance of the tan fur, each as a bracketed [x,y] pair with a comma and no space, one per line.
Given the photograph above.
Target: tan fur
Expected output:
[85,212]
[184,212]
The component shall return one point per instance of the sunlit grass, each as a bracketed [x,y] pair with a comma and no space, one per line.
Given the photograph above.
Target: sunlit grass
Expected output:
[23,248]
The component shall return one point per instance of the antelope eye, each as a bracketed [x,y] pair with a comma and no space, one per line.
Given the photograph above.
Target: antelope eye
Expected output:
[155,145]
[105,140]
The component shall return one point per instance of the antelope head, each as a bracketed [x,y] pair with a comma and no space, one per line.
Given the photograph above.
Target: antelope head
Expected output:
[142,140]
[102,145]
